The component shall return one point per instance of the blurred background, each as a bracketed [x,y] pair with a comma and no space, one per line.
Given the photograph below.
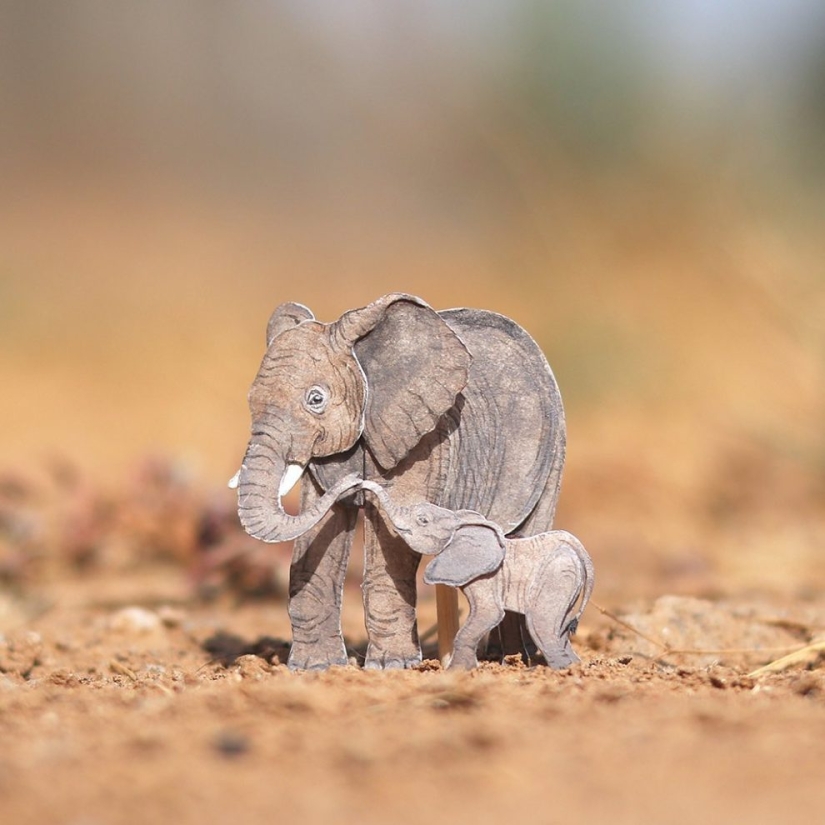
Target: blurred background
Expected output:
[640,185]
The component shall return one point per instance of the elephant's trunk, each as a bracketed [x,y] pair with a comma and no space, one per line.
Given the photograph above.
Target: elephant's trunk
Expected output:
[400,517]
[261,483]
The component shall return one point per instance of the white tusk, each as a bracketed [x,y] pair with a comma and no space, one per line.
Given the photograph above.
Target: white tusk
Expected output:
[291,476]
[233,482]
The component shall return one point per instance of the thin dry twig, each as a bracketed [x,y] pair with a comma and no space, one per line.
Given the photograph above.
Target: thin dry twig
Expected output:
[728,651]
[122,670]
[794,654]
[797,656]
[629,627]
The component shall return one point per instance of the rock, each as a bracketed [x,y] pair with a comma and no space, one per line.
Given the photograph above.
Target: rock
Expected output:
[135,620]
[20,653]
[252,667]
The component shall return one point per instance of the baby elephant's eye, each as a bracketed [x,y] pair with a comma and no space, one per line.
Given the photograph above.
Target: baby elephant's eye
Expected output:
[316,399]
[422,518]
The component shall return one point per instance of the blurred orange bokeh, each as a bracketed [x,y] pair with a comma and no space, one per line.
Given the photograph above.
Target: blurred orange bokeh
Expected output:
[641,193]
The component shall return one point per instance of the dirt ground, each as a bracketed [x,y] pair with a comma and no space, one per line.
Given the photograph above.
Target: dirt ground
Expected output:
[142,680]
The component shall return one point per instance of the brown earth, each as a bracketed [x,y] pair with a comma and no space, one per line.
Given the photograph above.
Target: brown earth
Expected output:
[142,680]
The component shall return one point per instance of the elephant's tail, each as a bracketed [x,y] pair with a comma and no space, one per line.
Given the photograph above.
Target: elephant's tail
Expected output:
[589,580]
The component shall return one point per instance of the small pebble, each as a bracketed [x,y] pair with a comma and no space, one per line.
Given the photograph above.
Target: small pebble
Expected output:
[231,744]
[135,620]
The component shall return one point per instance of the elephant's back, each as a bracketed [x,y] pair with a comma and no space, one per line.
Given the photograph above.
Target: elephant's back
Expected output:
[508,441]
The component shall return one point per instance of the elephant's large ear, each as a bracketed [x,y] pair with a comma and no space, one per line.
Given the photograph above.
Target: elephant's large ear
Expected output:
[474,550]
[285,317]
[415,367]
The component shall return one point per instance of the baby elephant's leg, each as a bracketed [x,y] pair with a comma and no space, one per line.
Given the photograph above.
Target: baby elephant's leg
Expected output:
[552,605]
[486,611]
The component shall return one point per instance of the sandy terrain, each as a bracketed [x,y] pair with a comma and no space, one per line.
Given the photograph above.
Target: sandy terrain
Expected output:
[141,680]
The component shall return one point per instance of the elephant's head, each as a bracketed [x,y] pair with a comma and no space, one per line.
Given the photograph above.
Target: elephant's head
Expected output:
[385,373]
[465,544]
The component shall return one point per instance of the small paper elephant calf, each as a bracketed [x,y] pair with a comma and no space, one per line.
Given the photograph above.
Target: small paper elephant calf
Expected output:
[544,576]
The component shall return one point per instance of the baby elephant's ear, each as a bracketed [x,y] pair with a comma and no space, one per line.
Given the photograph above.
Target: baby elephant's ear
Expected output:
[473,551]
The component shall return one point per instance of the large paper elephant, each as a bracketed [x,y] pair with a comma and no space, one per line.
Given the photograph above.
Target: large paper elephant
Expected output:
[458,408]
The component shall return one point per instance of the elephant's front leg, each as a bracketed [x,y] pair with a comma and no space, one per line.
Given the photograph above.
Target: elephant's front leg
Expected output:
[389,596]
[486,611]
[316,584]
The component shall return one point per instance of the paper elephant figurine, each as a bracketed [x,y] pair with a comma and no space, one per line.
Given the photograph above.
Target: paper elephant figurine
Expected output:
[543,577]
[458,407]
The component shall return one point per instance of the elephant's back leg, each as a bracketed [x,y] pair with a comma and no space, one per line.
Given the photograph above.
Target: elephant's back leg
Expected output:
[389,590]
[316,583]
[554,645]
[550,606]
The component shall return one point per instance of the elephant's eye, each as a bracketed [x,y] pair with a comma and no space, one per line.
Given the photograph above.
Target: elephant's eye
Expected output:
[316,399]
[422,518]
